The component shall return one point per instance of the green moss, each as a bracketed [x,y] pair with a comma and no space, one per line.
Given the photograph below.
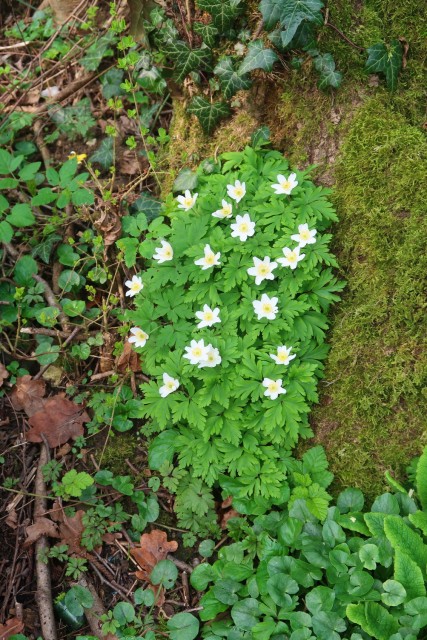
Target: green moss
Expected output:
[373,413]
[120,447]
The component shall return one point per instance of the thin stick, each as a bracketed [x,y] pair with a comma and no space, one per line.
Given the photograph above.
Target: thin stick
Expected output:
[344,37]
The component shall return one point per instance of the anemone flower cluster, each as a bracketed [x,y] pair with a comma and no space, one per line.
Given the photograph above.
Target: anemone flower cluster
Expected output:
[202,355]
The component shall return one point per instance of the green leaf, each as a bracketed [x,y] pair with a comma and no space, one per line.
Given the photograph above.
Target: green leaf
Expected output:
[82,196]
[230,81]
[320,599]
[421,479]
[381,624]
[164,573]
[75,482]
[21,216]
[8,162]
[404,539]
[43,196]
[225,591]
[98,51]
[386,59]
[104,154]
[279,587]
[409,575]
[148,205]
[187,60]
[186,179]
[260,137]
[202,575]
[271,11]
[46,352]
[124,613]
[162,449]
[206,548]
[24,270]
[208,113]
[123,484]
[144,596]
[6,232]
[329,77]
[207,32]
[68,279]
[394,593]
[47,316]
[73,308]
[223,12]
[245,614]
[257,57]
[369,556]
[183,626]
[129,247]
[294,12]
[327,625]
[44,249]
[350,500]
[29,170]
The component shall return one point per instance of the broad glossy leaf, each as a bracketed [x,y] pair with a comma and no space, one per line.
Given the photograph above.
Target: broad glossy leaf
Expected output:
[223,12]
[386,59]
[329,76]
[207,32]
[257,57]
[183,626]
[229,79]
[293,14]
[208,113]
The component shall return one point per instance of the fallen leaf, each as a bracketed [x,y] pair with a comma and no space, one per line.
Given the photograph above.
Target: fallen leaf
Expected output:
[129,163]
[154,546]
[12,519]
[231,513]
[27,395]
[41,527]
[106,361]
[12,627]
[109,225]
[128,360]
[4,373]
[59,420]
[70,528]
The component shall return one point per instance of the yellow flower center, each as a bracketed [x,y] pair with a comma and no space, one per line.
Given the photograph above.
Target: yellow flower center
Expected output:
[197,352]
[170,384]
[238,191]
[283,357]
[305,235]
[267,307]
[263,270]
[188,202]
[136,287]
[168,253]
[273,387]
[208,316]
[286,184]
[244,227]
[211,357]
[210,258]
[141,335]
[292,257]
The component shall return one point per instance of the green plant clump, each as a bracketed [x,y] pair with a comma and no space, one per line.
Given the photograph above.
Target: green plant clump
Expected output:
[350,573]
[231,321]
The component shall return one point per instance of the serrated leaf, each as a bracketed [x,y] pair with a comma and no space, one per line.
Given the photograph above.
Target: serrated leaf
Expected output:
[257,57]
[229,79]
[208,113]
[386,59]
[329,77]
[294,12]
[223,12]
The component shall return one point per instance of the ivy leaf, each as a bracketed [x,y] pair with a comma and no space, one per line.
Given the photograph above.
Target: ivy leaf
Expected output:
[104,155]
[208,113]
[97,51]
[207,32]
[230,81]
[187,60]
[329,77]
[294,12]
[260,137]
[223,12]
[386,59]
[258,57]
[186,179]
[271,11]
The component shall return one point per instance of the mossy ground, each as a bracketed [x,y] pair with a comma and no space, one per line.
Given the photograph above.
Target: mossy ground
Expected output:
[370,146]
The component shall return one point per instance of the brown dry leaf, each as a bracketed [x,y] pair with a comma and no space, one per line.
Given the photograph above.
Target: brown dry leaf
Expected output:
[12,627]
[12,518]
[128,360]
[59,420]
[62,9]
[109,226]
[4,373]
[106,361]
[129,163]
[28,394]
[70,529]
[41,527]
[154,546]
[231,513]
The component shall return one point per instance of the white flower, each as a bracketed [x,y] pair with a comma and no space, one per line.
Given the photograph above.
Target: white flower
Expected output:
[210,259]
[225,212]
[187,201]
[304,235]
[212,358]
[292,257]
[263,270]
[283,355]
[285,185]
[236,191]
[163,253]
[135,286]
[170,385]
[196,352]
[273,388]
[243,227]
[266,307]
[207,317]
[139,337]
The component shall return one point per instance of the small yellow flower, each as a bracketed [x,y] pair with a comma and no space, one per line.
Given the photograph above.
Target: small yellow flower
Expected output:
[78,156]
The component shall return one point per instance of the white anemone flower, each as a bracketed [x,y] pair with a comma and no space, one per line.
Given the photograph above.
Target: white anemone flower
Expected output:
[263,270]
[225,212]
[170,385]
[292,257]
[196,352]
[266,307]
[283,355]
[210,259]
[212,358]
[138,337]
[273,388]
[208,316]
[243,227]
[285,185]
[187,201]
[163,253]
[304,235]
[236,191]
[135,286]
